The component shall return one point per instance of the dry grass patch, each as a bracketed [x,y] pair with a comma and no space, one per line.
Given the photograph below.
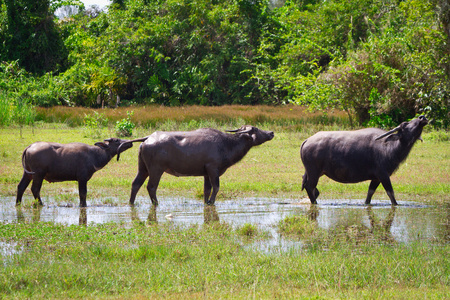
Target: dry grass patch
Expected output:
[289,116]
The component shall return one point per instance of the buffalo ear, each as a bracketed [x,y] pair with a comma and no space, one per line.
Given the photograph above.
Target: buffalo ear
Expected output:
[248,136]
[102,145]
[392,138]
[398,134]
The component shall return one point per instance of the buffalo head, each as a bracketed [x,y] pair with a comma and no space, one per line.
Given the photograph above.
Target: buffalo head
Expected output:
[257,136]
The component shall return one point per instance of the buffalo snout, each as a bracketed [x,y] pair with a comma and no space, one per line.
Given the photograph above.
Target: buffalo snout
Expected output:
[262,136]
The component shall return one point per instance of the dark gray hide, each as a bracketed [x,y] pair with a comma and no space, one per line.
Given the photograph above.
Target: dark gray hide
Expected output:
[203,152]
[65,162]
[355,156]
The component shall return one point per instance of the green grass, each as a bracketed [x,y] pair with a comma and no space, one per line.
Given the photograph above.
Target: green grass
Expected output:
[141,260]
[297,225]
[272,169]
[144,260]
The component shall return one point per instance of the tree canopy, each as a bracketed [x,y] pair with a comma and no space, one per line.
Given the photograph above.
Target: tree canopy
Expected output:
[381,61]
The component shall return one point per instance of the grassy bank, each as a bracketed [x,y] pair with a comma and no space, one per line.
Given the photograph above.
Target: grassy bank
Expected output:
[210,261]
[145,260]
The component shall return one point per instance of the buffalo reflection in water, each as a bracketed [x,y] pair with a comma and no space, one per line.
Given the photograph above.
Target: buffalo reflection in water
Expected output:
[353,226]
[209,214]
[372,223]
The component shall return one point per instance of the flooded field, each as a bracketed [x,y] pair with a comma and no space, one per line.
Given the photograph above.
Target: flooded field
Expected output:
[405,223]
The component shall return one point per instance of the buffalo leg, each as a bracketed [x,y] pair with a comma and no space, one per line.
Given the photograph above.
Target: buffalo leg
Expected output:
[206,189]
[137,183]
[36,188]
[313,194]
[372,188]
[310,183]
[386,182]
[139,180]
[23,184]
[316,193]
[215,189]
[82,191]
[215,183]
[152,185]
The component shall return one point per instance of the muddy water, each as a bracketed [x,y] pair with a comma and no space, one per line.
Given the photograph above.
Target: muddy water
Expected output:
[406,223]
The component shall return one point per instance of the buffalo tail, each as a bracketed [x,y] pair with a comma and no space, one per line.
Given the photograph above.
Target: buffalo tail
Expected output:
[23,163]
[305,179]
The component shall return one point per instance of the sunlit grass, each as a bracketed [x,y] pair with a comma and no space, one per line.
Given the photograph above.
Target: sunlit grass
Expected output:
[144,260]
[161,261]
[273,169]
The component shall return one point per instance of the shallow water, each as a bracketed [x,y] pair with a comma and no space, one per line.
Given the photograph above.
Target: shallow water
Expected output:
[405,223]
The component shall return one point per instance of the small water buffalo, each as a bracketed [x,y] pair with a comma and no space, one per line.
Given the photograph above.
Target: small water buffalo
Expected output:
[355,156]
[204,152]
[65,162]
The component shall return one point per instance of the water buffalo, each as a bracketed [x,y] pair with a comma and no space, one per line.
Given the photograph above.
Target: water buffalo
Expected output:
[204,152]
[355,156]
[65,162]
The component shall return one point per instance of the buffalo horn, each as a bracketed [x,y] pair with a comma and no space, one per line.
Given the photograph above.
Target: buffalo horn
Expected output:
[388,133]
[246,131]
[240,131]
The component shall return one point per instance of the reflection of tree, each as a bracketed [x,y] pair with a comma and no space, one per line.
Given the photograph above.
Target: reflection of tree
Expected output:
[210,214]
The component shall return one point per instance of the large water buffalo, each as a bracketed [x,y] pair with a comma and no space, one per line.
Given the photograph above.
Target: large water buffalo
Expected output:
[355,156]
[204,152]
[65,162]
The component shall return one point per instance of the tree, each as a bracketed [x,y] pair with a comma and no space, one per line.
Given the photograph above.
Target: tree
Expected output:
[396,67]
[31,36]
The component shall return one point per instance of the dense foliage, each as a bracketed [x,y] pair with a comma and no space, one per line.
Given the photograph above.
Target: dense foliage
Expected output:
[381,61]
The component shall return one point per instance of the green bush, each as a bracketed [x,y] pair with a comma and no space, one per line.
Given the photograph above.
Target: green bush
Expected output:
[94,124]
[18,111]
[5,114]
[124,127]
